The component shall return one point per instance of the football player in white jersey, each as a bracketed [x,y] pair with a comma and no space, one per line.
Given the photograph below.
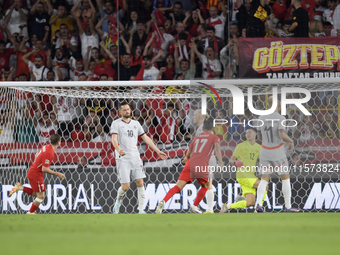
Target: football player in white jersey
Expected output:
[273,157]
[209,196]
[125,132]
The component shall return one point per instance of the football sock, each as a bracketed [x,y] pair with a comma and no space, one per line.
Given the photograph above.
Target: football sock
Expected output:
[210,200]
[171,192]
[29,191]
[261,189]
[264,196]
[200,195]
[33,208]
[239,204]
[141,197]
[287,193]
[120,194]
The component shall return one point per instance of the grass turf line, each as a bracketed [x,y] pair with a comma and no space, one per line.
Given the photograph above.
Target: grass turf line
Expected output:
[311,233]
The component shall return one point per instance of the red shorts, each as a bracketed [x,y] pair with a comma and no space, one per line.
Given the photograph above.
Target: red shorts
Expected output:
[189,177]
[37,184]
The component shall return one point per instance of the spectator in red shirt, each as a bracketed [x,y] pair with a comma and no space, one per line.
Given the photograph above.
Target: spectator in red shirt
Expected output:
[192,21]
[5,54]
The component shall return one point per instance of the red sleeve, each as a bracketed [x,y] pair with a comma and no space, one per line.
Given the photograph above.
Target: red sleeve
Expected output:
[216,139]
[47,158]
[171,49]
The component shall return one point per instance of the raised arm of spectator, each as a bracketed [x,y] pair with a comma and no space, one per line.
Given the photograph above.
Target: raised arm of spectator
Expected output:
[72,47]
[187,16]
[9,15]
[121,26]
[177,64]
[47,30]
[235,49]
[49,7]
[22,46]
[192,55]
[271,27]
[80,26]
[34,8]
[159,54]
[202,21]
[60,74]
[54,19]
[86,60]
[148,24]
[238,4]
[173,21]
[224,10]
[75,7]
[163,9]
[145,52]
[127,47]
[198,54]
[99,25]
[25,57]
[10,76]
[100,6]
[94,12]
[10,36]
[108,53]
[131,32]
[48,59]
[71,64]
[23,15]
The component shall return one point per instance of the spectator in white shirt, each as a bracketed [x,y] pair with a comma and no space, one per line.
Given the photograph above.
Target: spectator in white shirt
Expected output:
[46,129]
[211,66]
[16,16]
[328,13]
[65,38]
[37,70]
[150,72]
[88,37]
[217,21]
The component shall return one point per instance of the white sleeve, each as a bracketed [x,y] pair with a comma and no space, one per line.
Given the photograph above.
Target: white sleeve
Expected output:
[336,18]
[156,72]
[219,67]
[74,41]
[140,129]
[30,64]
[114,128]
[38,129]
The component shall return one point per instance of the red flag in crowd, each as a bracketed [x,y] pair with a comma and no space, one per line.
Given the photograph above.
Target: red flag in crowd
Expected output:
[203,9]
[158,39]
[114,36]
[160,19]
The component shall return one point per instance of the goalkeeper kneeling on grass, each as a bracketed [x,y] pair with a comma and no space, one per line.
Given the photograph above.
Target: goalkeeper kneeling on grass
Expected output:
[244,158]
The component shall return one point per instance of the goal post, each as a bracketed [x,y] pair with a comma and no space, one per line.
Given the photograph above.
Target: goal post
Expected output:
[83,112]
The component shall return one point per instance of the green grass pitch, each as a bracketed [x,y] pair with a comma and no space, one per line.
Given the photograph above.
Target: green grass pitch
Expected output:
[230,233]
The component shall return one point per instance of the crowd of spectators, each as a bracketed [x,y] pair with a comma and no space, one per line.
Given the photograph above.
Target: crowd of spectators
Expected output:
[79,40]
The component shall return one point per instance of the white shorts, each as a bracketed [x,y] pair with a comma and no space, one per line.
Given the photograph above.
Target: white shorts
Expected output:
[277,166]
[212,162]
[129,170]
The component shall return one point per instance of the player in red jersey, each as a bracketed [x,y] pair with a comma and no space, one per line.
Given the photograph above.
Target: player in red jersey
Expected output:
[42,162]
[196,167]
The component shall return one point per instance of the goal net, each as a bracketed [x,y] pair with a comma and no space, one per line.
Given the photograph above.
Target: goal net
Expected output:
[82,115]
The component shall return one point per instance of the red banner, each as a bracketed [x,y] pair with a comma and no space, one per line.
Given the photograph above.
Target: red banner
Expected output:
[289,58]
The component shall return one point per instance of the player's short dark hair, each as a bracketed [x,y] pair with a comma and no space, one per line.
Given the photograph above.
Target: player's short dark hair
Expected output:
[287,22]
[294,155]
[122,104]
[103,75]
[327,23]
[39,56]
[208,124]
[210,28]
[183,36]
[179,3]
[55,139]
